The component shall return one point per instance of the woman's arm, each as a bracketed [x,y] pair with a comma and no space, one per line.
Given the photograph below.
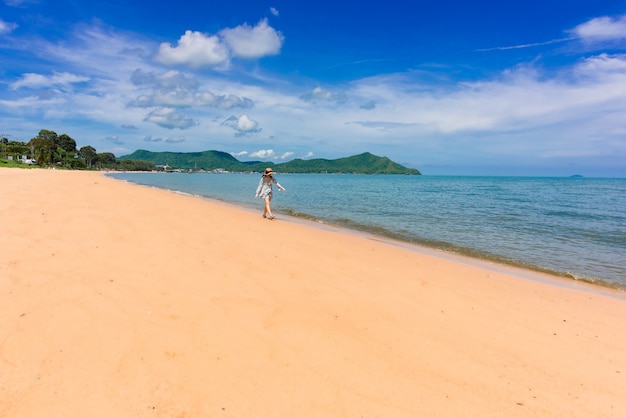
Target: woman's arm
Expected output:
[258,189]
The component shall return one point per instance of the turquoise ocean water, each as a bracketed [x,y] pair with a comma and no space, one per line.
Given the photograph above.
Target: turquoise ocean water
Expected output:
[574,227]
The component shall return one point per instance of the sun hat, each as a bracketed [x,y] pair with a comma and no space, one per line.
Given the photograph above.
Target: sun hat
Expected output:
[268,170]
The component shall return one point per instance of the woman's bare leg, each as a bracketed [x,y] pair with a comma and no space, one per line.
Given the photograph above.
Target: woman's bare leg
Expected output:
[267,211]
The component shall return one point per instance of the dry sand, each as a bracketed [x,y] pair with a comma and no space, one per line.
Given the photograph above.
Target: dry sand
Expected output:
[119,300]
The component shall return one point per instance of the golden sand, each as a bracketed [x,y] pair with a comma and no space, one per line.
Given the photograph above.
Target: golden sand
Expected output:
[119,300]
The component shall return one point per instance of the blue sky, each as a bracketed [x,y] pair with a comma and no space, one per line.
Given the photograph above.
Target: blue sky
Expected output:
[449,87]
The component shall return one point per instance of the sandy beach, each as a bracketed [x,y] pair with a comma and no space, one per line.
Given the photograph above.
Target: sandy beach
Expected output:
[120,300]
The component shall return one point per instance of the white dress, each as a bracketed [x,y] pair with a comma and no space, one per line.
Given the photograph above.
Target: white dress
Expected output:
[265,187]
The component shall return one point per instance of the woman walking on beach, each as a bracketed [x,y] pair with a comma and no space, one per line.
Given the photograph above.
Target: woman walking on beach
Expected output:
[265,191]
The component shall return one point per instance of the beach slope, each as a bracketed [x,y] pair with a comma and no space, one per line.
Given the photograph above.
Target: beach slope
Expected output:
[126,301]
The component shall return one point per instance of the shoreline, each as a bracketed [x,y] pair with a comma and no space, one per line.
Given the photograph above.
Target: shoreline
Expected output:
[133,301]
[448,251]
[524,273]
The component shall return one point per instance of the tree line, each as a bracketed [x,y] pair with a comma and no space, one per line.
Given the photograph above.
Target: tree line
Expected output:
[49,149]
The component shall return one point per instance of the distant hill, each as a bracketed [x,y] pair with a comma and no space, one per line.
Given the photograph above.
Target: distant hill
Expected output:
[365,163]
[205,160]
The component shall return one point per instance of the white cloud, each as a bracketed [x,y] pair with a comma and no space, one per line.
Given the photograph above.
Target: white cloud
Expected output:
[194,49]
[226,101]
[525,116]
[286,155]
[253,42]
[242,124]
[7,27]
[521,99]
[319,93]
[174,89]
[602,29]
[274,11]
[263,153]
[170,140]
[32,80]
[169,118]
[166,81]
[239,154]
[602,65]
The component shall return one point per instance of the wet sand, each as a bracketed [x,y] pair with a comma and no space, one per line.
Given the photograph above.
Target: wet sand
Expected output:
[125,301]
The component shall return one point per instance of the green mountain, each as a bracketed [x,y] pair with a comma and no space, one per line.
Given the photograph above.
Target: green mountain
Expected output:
[205,160]
[365,163]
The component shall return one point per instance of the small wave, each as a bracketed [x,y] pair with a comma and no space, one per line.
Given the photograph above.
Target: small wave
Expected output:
[451,248]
